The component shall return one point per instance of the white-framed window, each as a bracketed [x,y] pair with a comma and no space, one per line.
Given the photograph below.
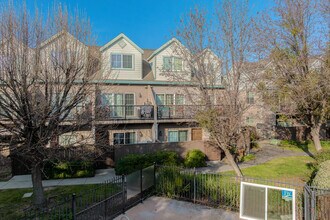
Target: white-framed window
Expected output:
[2,111]
[177,135]
[124,138]
[121,61]
[60,56]
[172,63]
[249,120]
[250,98]
[120,104]
[67,139]
[170,99]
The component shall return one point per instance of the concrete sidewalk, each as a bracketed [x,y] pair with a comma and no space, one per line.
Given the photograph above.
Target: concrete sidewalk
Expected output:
[155,208]
[25,181]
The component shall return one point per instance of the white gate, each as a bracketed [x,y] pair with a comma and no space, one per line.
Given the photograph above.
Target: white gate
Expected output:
[266,202]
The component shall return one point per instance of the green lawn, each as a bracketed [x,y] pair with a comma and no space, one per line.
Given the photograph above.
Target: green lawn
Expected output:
[12,203]
[302,146]
[282,168]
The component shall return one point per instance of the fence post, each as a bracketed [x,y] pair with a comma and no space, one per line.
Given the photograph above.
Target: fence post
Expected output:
[313,208]
[194,185]
[73,206]
[105,201]
[155,177]
[307,201]
[141,187]
[124,191]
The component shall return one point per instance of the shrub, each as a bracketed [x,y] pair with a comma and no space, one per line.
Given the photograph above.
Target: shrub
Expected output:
[322,178]
[248,157]
[68,169]
[133,162]
[322,156]
[195,158]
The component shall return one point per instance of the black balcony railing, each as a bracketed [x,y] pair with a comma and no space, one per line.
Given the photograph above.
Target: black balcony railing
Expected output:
[134,112]
[80,114]
[177,111]
[125,112]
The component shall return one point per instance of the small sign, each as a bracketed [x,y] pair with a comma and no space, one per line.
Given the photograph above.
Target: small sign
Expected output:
[287,195]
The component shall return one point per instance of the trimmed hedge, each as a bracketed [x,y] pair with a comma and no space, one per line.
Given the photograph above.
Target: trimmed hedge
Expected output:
[133,162]
[68,169]
[195,158]
[322,178]
[322,156]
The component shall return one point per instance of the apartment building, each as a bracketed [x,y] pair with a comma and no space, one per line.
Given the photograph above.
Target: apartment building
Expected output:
[132,101]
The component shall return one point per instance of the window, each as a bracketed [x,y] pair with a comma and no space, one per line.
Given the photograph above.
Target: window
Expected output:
[60,56]
[124,138]
[129,102]
[118,103]
[167,63]
[177,136]
[2,111]
[67,139]
[172,63]
[160,99]
[179,99]
[250,98]
[170,99]
[177,64]
[127,62]
[249,120]
[4,63]
[122,61]
[116,61]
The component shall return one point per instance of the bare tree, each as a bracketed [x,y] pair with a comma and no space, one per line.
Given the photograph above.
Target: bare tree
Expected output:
[296,40]
[216,49]
[45,72]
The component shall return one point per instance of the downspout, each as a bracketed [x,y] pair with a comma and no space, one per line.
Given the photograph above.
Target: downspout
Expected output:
[155,123]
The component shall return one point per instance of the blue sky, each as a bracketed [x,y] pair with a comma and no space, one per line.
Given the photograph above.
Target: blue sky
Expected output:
[149,23]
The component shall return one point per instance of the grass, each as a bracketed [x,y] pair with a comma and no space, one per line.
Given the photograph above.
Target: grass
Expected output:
[302,146]
[248,157]
[282,168]
[12,203]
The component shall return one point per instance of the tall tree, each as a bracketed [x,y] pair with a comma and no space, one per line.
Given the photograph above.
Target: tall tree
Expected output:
[216,47]
[296,40]
[44,75]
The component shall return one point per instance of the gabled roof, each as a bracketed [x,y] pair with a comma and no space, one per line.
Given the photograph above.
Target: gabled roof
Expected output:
[163,47]
[120,36]
[54,37]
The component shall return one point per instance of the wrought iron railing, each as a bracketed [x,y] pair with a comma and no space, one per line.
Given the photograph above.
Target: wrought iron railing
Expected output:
[178,111]
[125,112]
[104,201]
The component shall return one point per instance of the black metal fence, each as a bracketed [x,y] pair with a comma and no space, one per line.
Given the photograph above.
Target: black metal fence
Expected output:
[317,203]
[113,197]
[106,201]
[221,190]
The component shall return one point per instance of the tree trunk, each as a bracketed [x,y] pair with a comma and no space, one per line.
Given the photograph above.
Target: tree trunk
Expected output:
[232,162]
[315,133]
[38,190]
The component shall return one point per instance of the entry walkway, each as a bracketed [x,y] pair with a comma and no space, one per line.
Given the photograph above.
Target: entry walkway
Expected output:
[25,181]
[168,209]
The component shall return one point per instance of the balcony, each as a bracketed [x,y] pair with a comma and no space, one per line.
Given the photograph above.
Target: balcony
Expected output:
[125,112]
[177,111]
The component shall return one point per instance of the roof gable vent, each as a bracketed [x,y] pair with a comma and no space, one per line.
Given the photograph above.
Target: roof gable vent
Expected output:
[122,44]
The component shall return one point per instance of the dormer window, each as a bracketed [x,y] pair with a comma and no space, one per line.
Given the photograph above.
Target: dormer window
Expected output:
[122,61]
[172,64]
